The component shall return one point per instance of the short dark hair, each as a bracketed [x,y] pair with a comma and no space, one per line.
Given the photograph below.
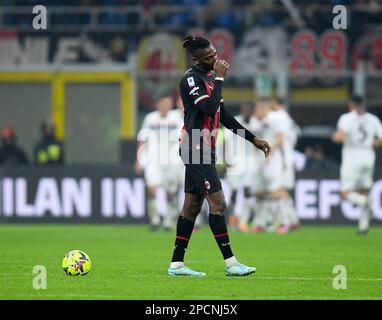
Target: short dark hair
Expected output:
[247,106]
[358,100]
[280,100]
[194,44]
[262,99]
[47,124]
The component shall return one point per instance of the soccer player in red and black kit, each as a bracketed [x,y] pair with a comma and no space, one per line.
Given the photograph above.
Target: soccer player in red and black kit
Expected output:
[201,93]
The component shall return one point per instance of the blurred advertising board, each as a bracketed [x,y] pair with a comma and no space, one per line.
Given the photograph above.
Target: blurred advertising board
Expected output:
[114,194]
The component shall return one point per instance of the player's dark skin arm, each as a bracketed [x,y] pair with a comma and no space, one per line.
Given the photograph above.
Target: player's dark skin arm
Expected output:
[232,124]
[211,105]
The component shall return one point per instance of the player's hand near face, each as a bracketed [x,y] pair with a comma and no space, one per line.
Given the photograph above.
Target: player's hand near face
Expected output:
[263,146]
[220,68]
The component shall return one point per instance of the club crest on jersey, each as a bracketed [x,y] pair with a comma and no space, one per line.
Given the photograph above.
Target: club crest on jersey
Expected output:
[191,82]
[194,91]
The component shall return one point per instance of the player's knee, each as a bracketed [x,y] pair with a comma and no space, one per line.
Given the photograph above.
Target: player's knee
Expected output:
[170,196]
[247,192]
[152,191]
[233,195]
[223,206]
[344,194]
[192,211]
[188,216]
[219,207]
[196,207]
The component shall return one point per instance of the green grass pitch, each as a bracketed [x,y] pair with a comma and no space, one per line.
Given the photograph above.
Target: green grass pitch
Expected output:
[130,262]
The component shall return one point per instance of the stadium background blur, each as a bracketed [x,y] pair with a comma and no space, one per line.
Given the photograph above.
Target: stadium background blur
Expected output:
[100,65]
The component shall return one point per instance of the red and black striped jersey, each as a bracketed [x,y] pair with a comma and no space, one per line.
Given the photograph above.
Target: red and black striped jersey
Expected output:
[201,94]
[200,128]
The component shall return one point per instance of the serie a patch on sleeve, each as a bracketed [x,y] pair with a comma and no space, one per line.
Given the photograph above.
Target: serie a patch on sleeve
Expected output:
[191,82]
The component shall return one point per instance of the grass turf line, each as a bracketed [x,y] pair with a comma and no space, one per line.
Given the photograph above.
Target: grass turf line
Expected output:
[130,262]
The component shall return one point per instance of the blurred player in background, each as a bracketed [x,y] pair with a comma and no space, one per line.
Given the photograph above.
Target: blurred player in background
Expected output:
[268,183]
[241,159]
[288,215]
[175,175]
[157,145]
[359,131]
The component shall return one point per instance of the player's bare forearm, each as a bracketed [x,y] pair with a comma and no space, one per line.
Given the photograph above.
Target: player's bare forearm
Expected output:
[232,124]
[378,143]
[228,121]
[279,141]
[140,148]
[338,136]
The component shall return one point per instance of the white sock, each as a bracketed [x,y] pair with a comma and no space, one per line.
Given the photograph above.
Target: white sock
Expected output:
[171,214]
[153,212]
[176,265]
[292,212]
[245,213]
[252,209]
[364,219]
[281,212]
[230,261]
[272,206]
[260,218]
[357,198]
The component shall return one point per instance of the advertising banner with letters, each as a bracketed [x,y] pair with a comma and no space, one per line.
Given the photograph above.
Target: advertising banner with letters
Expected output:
[114,194]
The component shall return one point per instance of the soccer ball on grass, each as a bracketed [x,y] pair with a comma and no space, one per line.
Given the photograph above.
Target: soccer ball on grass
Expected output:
[76,263]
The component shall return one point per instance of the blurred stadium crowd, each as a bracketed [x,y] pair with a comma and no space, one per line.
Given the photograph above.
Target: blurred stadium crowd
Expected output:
[113,31]
[47,151]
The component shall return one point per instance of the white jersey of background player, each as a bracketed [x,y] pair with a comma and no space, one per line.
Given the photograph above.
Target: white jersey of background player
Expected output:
[268,182]
[360,132]
[288,215]
[241,160]
[269,185]
[158,156]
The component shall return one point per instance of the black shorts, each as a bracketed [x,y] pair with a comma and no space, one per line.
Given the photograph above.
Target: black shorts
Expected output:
[201,179]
